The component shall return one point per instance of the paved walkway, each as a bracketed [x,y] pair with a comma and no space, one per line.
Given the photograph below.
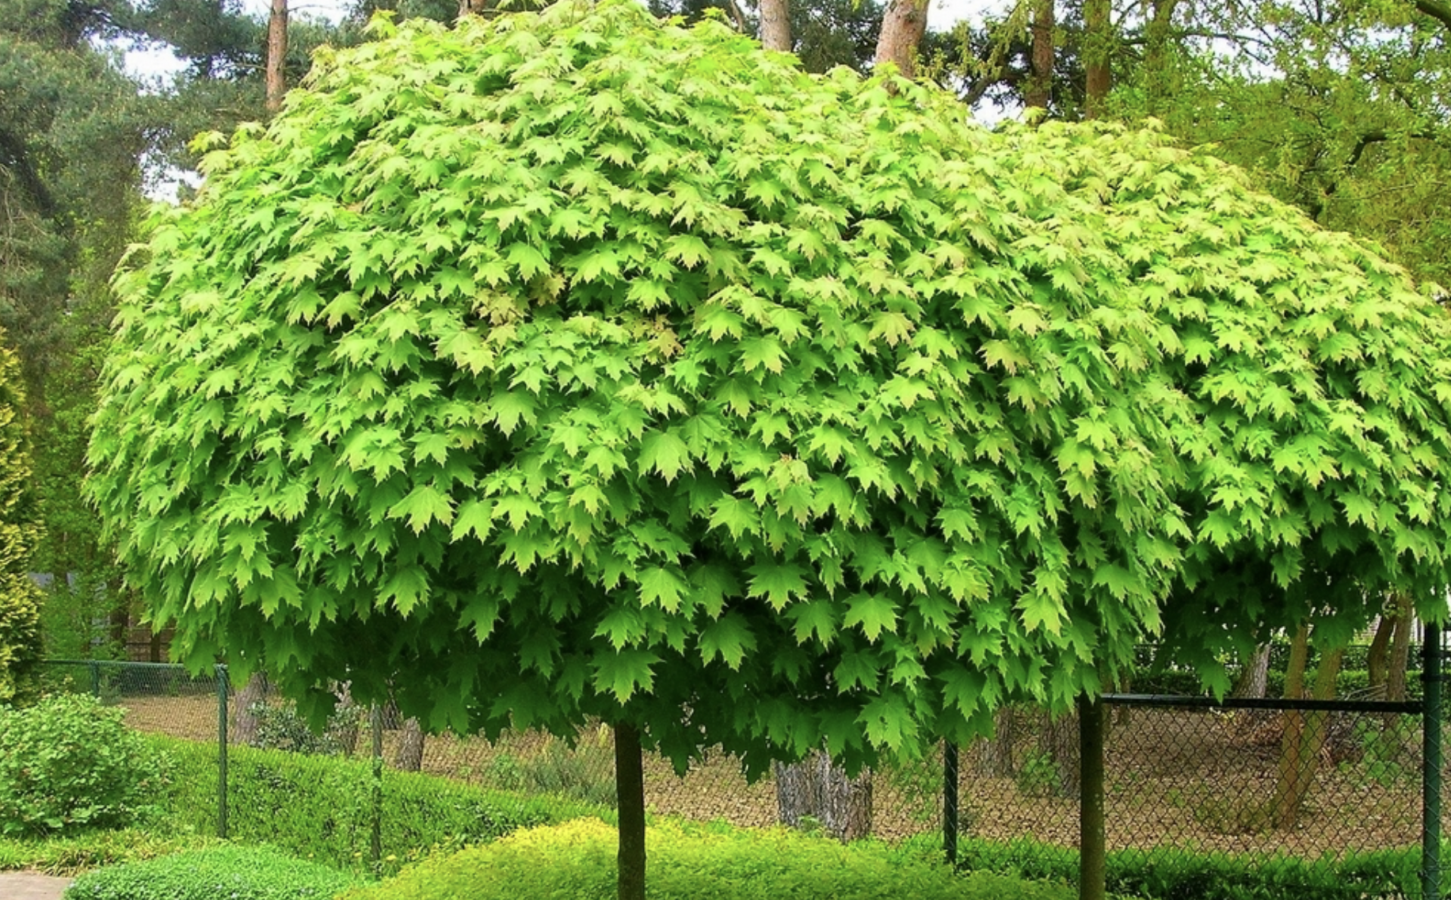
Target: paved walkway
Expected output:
[31,886]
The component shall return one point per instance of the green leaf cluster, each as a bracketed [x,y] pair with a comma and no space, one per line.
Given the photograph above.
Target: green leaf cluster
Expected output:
[578,364]
[19,532]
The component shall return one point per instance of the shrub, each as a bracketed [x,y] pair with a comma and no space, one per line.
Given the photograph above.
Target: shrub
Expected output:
[280,727]
[69,762]
[579,773]
[19,532]
[577,860]
[68,854]
[234,873]
[320,807]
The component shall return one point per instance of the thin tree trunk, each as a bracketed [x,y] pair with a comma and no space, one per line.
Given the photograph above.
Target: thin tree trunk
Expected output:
[1040,85]
[1098,55]
[630,797]
[903,25]
[347,736]
[244,723]
[1400,650]
[996,758]
[1300,746]
[775,25]
[1158,78]
[1254,676]
[818,789]
[1377,659]
[276,55]
[410,747]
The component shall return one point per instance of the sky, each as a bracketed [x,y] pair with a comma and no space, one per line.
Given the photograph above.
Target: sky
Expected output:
[159,64]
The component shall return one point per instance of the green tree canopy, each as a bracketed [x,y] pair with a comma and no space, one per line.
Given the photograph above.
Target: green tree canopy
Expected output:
[575,364]
[19,609]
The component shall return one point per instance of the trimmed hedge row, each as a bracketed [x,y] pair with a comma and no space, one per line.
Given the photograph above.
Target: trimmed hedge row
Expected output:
[215,873]
[1204,875]
[321,807]
[577,860]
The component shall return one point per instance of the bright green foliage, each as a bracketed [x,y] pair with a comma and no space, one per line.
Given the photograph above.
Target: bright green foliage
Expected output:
[236,873]
[573,365]
[69,763]
[321,807]
[577,860]
[19,597]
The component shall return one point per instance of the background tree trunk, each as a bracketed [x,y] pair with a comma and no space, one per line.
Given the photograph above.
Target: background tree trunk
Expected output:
[776,25]
[1400,649]
[347,735]
[630,798]
[410,747]
[1254,676]
[819,789]
[1377,658]
[1158,72]
[1097,55]
[1304,735]
[244,721]
[903,25]
[276,55]
[1060,737]
[1040,85]
[995,757]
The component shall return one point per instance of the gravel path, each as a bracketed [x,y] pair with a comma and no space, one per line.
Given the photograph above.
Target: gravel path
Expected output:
[31,886]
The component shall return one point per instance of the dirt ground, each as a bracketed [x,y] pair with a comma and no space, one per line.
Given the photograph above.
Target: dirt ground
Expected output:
[1173,778]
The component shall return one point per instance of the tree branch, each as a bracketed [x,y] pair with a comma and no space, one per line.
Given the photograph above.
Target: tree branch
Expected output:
[1436,9]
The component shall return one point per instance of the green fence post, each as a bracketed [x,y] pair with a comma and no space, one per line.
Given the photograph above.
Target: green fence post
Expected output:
[377,842]
[1091,845]
[95,668]
[222,693]
[1431,765]
[949,801]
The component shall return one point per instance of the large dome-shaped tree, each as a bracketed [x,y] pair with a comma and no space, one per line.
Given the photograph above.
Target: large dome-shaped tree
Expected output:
[578,365]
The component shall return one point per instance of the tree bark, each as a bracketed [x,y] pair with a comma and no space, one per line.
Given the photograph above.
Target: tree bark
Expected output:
[276,55]
[817,788]
[1377,659]
[630,797]
[903,25]
[1158,81]
[776,25]
[1400,650]
[1304,735]
[1098,55]
[410,748]
[1061,736]
[1254,676]
[244,723]
[1040,85]
[996,758]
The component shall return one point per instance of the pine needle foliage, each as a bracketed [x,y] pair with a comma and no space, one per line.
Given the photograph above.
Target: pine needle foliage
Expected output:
[576,364]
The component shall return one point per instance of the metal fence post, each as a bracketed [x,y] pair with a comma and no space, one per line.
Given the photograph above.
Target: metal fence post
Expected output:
[222,693]
[377,842]
[1431,765]
[95,668]
[949,801]
[1091,845]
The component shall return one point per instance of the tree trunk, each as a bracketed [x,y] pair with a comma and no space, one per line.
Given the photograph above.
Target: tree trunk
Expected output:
[1061,736]
[347,735]
[816,788]
[630,797]
[1098,55]
[276,55]
[775,25]
[410,748]
[244,723]
[1254,675]
[1377,659]
[1158,78]
[154,649]
[1040,85]
[996,758]
[903,25]
[1400,650]
[1304,735]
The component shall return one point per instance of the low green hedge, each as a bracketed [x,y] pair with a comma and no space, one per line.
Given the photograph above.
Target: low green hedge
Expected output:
[320,807]
[66,855]
[576,860]
[215,873]
[1183,874]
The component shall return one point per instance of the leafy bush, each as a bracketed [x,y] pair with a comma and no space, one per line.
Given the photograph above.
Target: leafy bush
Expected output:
[1182,874]
[234,873]
[321,807]
[578,774]
[69,762]
[577,860]
[280,727]
[19,532]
